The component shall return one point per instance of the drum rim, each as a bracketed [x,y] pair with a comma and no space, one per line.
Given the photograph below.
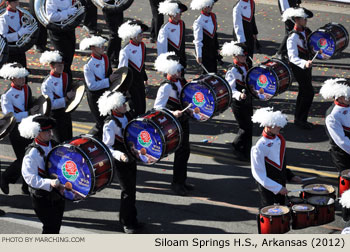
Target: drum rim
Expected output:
[274,215]
[330,199]
[345,177]
[316,194]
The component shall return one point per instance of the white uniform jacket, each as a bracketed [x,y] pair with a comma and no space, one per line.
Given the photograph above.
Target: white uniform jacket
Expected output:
[235,78]
[95,73]
[10,24]
[338,123]
[16,101]
[270,150]
[243,10]
[33,165]
[294,45]
[55,86]
[172,33]
[134,55]
[165,93]
[112,133]
[204,23]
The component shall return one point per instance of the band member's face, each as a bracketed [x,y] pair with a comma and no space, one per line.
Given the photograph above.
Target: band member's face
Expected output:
[98,50]
[207,9]
[241,58]
[45,136]
[139,38]
[301,21]
[343,100]
[177,17]
[19,82]
[57,67]
[13,4]
[274,130]
[122,109]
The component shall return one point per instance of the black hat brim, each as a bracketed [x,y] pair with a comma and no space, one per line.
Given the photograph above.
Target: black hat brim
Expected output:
[123,83]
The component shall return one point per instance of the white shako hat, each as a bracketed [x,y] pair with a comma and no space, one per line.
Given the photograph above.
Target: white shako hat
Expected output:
[110,101]
[269,118]
[31,126]
[168,63]
[335,88]
[171,7]
[232,48]
[345,199]
[97,41]
[346,230]
[49,57]
[200,4]
[13,70]
[293,12]
[130,29]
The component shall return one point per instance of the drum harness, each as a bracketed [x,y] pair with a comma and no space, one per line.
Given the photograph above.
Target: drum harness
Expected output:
[303,53]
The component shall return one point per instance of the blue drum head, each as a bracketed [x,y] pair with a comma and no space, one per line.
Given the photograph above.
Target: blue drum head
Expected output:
[144,141]
[320,40]
[202,99]
[262,83]
[71,168]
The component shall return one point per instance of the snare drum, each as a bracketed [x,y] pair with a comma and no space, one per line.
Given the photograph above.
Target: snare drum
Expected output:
[331,39]
[84,164]
[295,200]
[318,190]
[269,79]
[303,215]
[324,209]
[209,95]
[274,220]
[153,136]
[344,182]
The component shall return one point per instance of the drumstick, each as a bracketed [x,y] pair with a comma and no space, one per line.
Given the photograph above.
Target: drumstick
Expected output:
[300,190]
[315,56]
[243,91]
[189,105]
[202,66]
[306,179]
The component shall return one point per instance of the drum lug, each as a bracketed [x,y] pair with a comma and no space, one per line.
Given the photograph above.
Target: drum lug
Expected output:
[270,217]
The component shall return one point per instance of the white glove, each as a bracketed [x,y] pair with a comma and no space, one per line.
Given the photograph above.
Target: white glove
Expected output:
[72,11]
[23,30]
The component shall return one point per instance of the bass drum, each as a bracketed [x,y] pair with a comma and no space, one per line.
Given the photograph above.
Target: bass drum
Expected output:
[269,79]
[208,95]
[329,40]
[27,40]
[113,5]
[4,50]
[84,165]
[67,25]
[153,136]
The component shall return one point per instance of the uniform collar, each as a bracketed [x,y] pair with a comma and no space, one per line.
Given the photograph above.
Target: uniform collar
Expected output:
[236,62]
[245,1]
[169,78]
[268,136]
[299,28]
[340,104]
[9,9]
[134,43]
[116,114]
[96,57]
[37,141]
[173,22]
[16,87]
[52,73]
[205,14]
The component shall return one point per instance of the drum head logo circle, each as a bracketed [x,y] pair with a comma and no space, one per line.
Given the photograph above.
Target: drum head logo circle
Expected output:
[322,43]
[275,210]
[198,99]
[262,81]
[144,139]
[70,171]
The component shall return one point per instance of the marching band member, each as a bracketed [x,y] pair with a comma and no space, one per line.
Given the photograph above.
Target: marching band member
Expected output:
[168,96]
[205,36]
[288,24]
[171,37]
[57,86]
[63,41]
[338,121]
[133,55]
[244,26]
[114,105]
[268,158]
[41,42]
[18,100]
[298,55]
[12,29]
[157,19]
[48,205]
[97,73]
[242,106]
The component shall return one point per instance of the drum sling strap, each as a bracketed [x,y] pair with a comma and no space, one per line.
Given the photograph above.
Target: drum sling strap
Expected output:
[305,53]
[239,87]
[119,124]
[172,105]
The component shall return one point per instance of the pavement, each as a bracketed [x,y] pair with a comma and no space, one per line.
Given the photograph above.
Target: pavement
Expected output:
[225,199]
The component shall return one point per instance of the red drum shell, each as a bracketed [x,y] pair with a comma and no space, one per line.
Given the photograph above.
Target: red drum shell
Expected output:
[344,182]
[318,190]
[303,215]
[274,223]
[324,209]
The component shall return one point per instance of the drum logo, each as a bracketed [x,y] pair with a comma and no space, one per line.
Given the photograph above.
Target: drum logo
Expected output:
[322,43]
[70,171]
[262,81]
[198,99]
[144,139]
